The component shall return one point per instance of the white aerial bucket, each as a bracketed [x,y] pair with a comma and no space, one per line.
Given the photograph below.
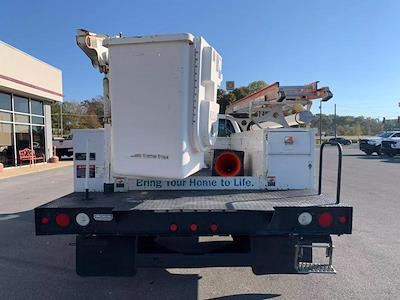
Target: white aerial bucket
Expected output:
[163,104]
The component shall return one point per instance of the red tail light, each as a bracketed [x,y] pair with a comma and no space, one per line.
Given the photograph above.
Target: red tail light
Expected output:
[193,227]
[45,220]
[62,220]
[173,227]
[325,219]
[214,227]
[342,219]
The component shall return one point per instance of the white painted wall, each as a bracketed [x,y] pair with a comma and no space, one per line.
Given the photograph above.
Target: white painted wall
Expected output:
[26,75]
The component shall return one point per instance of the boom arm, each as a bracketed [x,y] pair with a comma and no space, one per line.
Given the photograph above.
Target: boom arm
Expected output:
[92,45]
[278,104]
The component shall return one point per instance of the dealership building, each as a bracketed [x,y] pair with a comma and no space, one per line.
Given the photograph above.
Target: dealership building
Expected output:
[28,87]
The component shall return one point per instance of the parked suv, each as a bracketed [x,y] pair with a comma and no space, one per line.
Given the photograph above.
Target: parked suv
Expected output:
[391,146]
[373,144]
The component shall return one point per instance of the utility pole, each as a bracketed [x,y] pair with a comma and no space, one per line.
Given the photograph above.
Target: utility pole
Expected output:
[334,121]
[61,120]
[320,122]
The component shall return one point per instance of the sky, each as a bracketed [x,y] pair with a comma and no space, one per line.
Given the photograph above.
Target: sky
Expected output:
[351,46]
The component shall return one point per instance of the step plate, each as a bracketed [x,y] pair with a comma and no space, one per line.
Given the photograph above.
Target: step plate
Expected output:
[305,268]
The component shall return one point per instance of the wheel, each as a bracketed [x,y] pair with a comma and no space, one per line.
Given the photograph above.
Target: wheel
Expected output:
[379,152]
[368,152]
[391,154]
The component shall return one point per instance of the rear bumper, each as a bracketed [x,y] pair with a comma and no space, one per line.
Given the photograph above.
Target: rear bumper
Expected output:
[365,147]
[110,221]
[387,148]
[117,241]
[390,151]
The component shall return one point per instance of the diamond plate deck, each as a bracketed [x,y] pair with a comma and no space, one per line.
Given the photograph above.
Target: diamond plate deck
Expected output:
[161,201]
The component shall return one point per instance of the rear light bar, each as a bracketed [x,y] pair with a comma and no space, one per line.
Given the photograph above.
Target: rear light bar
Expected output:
[283,220]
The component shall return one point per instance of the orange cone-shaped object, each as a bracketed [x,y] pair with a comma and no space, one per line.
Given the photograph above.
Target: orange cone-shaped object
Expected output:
[228,163]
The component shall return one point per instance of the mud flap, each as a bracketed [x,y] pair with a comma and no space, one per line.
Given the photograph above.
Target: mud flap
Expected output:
[105,255]
[273,254]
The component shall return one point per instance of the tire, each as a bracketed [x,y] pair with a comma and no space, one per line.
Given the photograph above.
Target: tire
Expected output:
[391,154]
[368,152]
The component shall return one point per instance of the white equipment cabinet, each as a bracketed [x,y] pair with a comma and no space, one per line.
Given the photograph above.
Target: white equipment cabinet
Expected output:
[284,157]
[89,152]
[163,102]
[291,158]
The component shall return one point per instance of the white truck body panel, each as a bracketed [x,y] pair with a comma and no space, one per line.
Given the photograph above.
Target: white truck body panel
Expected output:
[275,159]
[163,103]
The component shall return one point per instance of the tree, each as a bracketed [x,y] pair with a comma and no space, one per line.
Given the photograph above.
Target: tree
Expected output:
[71,114]
[224,99]
[348,125]
[93,110]
[256,85]
[241,92]
[85,114]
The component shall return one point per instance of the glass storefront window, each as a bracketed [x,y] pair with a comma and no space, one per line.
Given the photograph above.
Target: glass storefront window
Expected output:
[22,138]
[38,140]
[21,118]
[22,125]
[37,107]
[6,145]
[4,116]
[5,101]
[37,120]
[21,104]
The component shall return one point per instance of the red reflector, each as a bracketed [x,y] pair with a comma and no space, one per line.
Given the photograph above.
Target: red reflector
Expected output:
[325,219]
[213,227]
[173,227]
[44,220]
[62,220]
[193,227]
[342,219]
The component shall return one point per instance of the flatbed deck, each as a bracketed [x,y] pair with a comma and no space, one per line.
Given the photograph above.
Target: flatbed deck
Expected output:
[175,201]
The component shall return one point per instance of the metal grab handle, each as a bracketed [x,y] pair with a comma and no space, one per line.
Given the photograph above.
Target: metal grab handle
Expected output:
[339,174]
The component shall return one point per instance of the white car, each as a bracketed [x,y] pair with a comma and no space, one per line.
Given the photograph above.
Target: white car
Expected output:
[373,144]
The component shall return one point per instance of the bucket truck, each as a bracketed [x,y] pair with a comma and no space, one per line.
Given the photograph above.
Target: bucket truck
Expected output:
[166,174]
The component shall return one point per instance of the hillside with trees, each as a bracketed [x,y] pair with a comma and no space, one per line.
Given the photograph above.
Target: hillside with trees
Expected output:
[351,126]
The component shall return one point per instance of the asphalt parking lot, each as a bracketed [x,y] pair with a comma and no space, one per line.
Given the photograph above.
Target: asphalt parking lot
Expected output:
[367,262]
